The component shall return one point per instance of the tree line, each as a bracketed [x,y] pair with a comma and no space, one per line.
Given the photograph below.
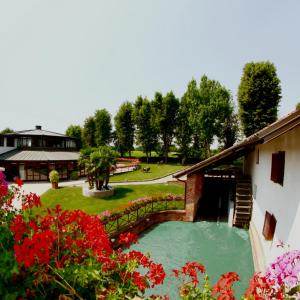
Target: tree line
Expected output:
[192,122]
[203,114]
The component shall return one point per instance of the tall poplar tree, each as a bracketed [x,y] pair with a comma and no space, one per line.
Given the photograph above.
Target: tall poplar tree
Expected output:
[124,125]
[259,95]
[88,132]
[146,132]
[103,127]
[166,111]
[183,131]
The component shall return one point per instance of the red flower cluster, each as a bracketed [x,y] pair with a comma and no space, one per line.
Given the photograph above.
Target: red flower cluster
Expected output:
[58,236]
[3,185]
[154,276]
[223,288]
[190,269]
[262,289]
[128,238]
[18,181]
[30,200]
[62,238]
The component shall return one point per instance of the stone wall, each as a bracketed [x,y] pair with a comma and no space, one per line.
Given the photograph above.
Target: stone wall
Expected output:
[193,193]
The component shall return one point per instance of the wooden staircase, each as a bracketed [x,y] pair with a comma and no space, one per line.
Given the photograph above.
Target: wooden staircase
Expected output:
[243,203]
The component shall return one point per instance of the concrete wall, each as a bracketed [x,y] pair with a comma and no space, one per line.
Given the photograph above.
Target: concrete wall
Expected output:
[194,191]
[280,200]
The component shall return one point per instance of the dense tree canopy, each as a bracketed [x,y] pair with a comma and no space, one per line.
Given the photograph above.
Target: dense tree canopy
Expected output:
[75,131]
[204,114]
[124,125]
[166,111]
[183,131]
[6,130]
[88,132]
[259,95]
[103,127]
[211,109]
[146,130]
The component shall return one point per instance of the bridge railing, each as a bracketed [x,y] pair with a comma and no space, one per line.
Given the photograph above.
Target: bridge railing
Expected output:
[118,221]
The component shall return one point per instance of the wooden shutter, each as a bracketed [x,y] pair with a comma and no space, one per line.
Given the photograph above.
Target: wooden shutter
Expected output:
[269,226]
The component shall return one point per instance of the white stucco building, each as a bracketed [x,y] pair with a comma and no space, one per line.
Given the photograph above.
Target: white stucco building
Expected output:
[267,191]
[276,191]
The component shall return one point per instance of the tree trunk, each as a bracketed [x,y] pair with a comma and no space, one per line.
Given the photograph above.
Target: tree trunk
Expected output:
[107,179]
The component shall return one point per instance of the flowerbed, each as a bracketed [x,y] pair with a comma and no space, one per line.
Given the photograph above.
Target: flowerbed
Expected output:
[68,255]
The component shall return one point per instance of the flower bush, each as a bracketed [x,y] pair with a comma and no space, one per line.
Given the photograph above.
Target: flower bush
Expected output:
[66,255]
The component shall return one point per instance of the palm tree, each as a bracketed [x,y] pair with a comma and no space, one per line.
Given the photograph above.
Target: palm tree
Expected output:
[98,164]
[84,160]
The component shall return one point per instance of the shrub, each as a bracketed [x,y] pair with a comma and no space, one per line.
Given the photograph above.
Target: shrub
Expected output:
[54,176]
[74,175]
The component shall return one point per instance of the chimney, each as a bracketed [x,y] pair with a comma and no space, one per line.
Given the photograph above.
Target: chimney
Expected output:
[38,127]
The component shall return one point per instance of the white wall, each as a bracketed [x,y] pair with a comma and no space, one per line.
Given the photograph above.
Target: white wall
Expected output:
[282,201]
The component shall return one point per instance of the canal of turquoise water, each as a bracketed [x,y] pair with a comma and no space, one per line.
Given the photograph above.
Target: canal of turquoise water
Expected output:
[217,246]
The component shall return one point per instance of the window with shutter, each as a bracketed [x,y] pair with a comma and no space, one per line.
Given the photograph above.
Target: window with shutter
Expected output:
[269,226]
[277,169]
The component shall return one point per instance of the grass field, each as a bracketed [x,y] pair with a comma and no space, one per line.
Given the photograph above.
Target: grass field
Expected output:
[156,171]
[71,197]
[138,153]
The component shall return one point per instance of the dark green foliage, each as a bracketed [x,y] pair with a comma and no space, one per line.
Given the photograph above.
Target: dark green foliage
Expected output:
[103,127]
[146,130]
[74,175]
[229,132]
[259,95]
[166,112]
[88,132]
[124,124]
[6,130]
[75,131]
[183,131]
[298,106]
[211,110]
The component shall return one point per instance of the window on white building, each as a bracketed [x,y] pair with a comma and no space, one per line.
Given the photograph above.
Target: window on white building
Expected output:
[277,170]
[269,226]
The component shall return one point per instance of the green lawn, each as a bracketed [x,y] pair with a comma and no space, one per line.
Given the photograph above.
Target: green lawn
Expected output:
[156,171]
[138,153]
[71,197]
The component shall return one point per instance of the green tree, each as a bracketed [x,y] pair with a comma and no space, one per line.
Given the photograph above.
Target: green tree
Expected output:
[6,130]
[146,131]
[183,131]
[88,132]
[259,95]
[75,131]
[230,131]
[298,106]
[98,164]
[103,127]
[124,124]
[166,112]
[211,110]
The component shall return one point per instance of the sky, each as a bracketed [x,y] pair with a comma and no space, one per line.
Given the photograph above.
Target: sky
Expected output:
[61,60]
